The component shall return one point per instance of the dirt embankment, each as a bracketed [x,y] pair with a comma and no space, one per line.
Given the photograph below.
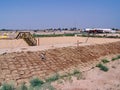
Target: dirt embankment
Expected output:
[24,65]
[14,43]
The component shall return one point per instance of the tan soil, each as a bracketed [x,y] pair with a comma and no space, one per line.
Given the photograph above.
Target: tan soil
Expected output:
[94,79]
[50,43]
[53,41]
[73,40]
[22,66]
[14,43]
[18,62]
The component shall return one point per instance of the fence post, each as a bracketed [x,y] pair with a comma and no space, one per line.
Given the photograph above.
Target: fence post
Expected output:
[38,41]
[77,43]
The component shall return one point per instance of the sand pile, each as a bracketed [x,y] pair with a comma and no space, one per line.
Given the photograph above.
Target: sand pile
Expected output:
[14,43]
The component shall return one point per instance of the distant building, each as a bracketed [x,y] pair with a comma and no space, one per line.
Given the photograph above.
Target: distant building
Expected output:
[99,30]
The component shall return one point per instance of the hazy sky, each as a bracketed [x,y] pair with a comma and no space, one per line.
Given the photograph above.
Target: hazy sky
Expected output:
[39,14]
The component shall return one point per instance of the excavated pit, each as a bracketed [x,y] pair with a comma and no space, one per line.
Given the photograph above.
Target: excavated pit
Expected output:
[22,66]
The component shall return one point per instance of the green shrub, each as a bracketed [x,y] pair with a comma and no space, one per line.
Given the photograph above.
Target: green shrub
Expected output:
[36,82]
[114,58]
[23,87]
[105,61]
[6,86]
[65,75]
[69,34]
[76,72]
[118,56]
[53,35]
[53,78]
[99,65]
[102,67]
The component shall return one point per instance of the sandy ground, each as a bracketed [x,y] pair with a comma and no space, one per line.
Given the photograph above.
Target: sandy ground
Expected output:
[73,40]
[94,79]
[50,43]
[22,66]
[13,43]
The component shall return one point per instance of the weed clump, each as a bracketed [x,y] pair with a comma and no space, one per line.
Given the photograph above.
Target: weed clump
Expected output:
[53,78]
[105,61]
[36,82]
[102,67]
[76,72]
[6,86]
[116,58]
[23,87]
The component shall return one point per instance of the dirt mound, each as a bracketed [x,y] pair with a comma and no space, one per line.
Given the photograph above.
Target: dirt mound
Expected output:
[24,65]
[12,43]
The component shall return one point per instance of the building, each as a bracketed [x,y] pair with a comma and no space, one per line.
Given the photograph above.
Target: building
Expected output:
[99,30]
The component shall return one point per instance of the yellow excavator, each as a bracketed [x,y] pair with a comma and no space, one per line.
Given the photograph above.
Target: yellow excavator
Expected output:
[4,36]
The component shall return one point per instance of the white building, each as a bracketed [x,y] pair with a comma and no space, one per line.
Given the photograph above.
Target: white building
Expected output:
[99,30]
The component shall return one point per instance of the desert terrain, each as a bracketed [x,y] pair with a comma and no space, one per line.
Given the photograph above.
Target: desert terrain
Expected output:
[17,45]
[20,62]
[93,79]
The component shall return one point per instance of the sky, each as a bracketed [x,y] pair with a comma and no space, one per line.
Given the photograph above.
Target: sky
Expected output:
[43,14]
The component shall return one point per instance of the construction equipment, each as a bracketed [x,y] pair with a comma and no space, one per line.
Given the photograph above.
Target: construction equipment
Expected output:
[27,36]
[4,36]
